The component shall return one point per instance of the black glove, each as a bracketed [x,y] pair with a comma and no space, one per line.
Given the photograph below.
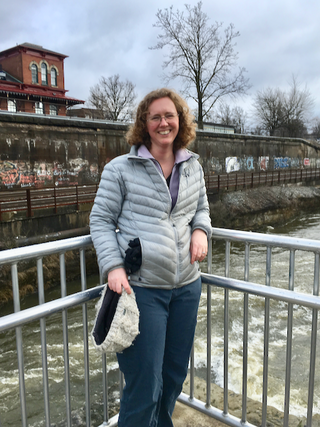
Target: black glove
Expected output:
[133,258]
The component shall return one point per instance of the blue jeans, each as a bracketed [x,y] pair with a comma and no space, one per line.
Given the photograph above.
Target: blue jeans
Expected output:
[156,365]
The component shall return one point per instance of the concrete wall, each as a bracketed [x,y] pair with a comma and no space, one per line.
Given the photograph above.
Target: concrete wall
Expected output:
[39,151]
[249,153]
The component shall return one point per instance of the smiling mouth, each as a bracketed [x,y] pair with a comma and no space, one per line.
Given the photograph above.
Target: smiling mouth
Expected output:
[165,132]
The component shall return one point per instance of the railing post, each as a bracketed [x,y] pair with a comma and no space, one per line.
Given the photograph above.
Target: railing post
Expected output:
[313,342]
[77,197]
[209,328]
[55,199]
[29,212]
[266,342]
[226,332]
[289,342]
[19,344]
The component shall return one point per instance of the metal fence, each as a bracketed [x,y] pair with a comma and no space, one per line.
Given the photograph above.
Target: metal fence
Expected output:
[240,180]
[45,309]
[30,201]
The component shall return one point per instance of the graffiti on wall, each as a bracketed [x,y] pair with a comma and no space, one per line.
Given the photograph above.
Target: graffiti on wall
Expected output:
[213,165]
[295,162]
[263,163]
[247,163]
[232,164]
[17,173]
[281,162]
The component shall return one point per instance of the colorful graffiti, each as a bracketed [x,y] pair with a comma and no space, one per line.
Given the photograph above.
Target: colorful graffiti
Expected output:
[263,163]
[21,174]
[9,174]
[248,164]
[281,162]
[232,164]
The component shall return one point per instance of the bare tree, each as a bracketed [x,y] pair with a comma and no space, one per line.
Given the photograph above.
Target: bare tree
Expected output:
[204,59]
[316,129]
[240,118]
[235,116]
[297,106]
[223,114]
[114,98]
[284,113]
[268,105]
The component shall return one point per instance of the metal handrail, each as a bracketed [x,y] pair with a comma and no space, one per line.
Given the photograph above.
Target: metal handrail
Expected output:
[271,240]
[43,310]
[29,200]
[38,312]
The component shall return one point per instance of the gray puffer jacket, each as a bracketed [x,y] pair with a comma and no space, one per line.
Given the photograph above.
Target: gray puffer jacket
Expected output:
[133,198]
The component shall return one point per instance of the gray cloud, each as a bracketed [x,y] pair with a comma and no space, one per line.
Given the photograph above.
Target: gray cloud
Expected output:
[278,39]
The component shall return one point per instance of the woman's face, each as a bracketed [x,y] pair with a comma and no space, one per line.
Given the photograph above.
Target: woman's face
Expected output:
[162,123]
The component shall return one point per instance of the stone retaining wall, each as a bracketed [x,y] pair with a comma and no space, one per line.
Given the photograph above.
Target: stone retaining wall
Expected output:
[37,151]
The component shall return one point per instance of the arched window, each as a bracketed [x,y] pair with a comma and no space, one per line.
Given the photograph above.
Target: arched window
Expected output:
[34,73]
[12,106]
[44,76]
[53,77]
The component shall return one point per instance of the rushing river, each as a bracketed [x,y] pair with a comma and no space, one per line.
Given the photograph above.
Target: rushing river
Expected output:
[306,226]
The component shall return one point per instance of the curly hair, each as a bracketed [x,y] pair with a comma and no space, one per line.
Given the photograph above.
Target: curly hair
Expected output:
[138,133]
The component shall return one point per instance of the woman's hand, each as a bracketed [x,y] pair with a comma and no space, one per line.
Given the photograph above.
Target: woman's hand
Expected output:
[198,245]
[118,278]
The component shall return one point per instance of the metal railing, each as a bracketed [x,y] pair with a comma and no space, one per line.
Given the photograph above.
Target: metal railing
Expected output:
[240,180]
[45,309]
[29,201]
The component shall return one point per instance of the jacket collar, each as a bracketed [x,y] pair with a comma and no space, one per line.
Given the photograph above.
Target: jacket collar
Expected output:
[142,152]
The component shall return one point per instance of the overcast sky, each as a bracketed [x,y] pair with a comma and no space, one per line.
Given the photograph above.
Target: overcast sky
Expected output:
[278,38]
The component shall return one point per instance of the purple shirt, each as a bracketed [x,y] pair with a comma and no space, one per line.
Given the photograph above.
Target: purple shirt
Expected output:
[181,156]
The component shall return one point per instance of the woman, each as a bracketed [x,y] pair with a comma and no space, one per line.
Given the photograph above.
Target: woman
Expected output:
[156,193]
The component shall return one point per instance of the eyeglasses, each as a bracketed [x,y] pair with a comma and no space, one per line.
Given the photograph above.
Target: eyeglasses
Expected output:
[169,117]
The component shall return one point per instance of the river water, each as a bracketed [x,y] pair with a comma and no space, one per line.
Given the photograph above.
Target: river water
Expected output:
[305,226]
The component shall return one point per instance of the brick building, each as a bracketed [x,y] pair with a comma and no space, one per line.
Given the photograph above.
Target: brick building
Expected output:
[32,81]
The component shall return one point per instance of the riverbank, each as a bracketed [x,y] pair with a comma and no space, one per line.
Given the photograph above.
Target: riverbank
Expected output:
[254,208]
